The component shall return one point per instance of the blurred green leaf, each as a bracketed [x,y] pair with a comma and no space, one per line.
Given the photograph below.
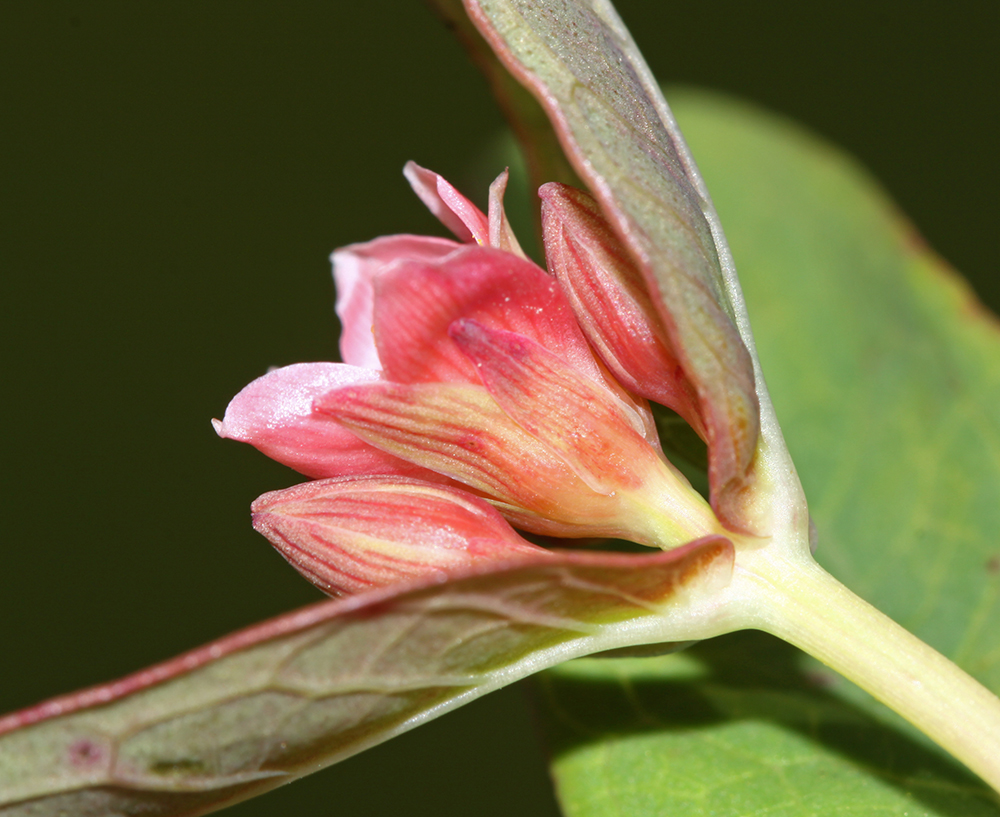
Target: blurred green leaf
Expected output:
[885,373]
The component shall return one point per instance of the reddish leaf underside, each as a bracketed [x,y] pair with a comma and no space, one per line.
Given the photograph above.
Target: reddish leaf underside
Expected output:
[284,698]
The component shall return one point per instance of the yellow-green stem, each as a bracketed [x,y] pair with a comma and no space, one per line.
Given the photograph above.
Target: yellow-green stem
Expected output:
[807,607]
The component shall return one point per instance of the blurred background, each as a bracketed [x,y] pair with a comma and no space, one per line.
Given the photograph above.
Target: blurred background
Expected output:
[173,177]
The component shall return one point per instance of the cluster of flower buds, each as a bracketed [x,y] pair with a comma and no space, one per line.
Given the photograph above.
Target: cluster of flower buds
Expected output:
[477,392]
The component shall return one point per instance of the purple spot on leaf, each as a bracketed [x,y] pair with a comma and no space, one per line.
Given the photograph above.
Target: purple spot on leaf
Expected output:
[85,753]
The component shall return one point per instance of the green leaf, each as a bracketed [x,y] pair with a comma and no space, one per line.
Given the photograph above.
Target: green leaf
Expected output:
[885,373]
[289,696]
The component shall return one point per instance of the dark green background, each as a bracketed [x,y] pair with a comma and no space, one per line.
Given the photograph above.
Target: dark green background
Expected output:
[172,179]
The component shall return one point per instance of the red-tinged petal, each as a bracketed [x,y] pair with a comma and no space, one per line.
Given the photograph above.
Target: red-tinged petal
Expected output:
[274,414]
[572,414]
[450,207]
[415,303]
[610,298]
[350,535]
[354,269]
[459,431]
[501,235]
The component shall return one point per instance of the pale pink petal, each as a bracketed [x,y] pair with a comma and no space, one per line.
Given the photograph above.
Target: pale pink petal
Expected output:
[350,535]
[354,269]
[274,414]
[612,302]
[416,303]
[501,235]
[450,207]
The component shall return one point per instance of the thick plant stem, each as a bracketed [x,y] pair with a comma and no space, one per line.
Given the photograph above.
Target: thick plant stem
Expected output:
[809,608]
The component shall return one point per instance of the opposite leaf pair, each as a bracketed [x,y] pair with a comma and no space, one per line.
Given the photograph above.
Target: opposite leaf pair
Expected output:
[472,376]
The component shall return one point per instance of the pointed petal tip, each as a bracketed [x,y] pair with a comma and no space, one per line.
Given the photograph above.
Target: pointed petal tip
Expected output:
[262,522]
[556,193]
[501,235]
[449,206]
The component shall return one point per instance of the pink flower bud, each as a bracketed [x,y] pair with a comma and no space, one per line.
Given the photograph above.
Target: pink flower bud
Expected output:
[352,534]
[611,301]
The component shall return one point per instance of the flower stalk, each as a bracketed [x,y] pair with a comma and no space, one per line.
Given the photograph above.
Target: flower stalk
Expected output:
[795,599]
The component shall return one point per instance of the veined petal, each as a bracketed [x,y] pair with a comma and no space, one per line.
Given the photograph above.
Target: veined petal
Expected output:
[459,431]
[501,235]
[450,207]
[415,303]
[570,413]
[612,301]
[274,414]
[589,429]
[350,535]
[354,269]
